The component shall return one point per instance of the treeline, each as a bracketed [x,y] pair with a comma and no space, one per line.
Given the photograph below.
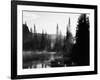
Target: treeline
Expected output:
[35,41]
[40,41]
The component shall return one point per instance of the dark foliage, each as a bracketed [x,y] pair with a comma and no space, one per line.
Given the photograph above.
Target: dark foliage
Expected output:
[81,49]
[35,41]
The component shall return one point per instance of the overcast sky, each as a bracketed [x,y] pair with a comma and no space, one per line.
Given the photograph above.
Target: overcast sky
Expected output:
[48,21]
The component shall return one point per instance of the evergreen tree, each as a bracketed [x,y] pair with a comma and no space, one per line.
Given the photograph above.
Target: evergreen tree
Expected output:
[67,40]
[56,46]
[43,41]
[26,37]
[34,39]
[68,44]
[25,30]
[81,49]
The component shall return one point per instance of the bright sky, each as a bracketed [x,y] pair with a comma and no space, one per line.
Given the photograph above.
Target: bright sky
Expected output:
[48,21]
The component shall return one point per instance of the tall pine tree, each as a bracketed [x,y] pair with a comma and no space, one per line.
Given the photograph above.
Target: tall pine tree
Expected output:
[81,49]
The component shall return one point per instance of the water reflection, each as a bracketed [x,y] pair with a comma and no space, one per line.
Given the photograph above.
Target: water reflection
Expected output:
[42,60]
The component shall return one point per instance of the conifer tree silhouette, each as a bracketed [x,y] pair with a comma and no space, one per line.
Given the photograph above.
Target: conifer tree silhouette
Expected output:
[81,49]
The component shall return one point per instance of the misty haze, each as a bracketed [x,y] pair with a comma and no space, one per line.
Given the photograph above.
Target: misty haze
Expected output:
[55,39]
